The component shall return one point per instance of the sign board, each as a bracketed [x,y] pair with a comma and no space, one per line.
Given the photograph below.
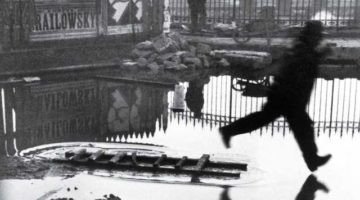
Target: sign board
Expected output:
[64,19]
[125,16]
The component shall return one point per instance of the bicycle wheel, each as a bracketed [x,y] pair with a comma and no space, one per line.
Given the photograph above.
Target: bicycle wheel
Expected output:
[240,36]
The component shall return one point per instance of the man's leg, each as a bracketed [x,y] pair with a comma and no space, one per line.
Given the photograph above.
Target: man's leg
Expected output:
[249,123]
[302,127]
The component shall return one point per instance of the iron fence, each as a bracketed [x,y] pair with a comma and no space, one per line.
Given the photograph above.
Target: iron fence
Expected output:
[333,106]
[333,13]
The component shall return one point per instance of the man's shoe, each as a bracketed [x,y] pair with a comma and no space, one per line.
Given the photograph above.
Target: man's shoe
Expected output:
[225,137]
[318,162]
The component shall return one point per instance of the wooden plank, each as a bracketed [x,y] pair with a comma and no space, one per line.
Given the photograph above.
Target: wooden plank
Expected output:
[228,165]
[181,162]
[97,155]
[203,161]
[134,81]
[160,160]
[118,157]
[151,169]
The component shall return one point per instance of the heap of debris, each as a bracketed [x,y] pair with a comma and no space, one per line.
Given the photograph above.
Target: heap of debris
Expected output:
[173,52]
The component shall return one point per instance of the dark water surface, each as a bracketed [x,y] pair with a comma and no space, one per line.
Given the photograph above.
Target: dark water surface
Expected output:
[124,111]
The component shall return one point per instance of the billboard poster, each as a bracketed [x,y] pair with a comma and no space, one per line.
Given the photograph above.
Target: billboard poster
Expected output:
[124,16]
[64,20]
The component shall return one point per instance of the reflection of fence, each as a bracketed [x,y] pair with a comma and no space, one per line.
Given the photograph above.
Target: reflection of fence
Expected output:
[337,13]
[333,106]
[7,116]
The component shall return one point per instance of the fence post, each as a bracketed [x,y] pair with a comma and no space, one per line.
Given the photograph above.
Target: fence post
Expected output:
[357,13]
[234,10]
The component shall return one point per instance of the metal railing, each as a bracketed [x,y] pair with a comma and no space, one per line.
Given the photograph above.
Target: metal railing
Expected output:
[333,107]
[333,13]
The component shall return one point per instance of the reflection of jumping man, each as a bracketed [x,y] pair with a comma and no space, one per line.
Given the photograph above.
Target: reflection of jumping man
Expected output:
[289,96]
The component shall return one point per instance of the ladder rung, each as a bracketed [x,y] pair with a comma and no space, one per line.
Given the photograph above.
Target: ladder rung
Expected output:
[160,160]
[118,157]
[97,155]
[181,162]
[202,162]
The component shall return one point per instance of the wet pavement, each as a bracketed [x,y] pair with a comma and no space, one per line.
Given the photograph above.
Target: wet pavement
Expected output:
[113,112]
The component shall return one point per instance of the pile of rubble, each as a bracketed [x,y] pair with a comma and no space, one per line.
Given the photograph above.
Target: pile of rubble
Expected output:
[172,52]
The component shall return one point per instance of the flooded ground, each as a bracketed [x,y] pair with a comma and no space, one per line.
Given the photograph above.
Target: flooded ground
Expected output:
[114,111]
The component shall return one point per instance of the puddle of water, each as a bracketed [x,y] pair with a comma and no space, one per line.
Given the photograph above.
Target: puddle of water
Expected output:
[105,111]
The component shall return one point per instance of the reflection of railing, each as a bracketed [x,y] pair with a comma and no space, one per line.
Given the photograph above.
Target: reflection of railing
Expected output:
[336,13]
[7,117]
[333,106]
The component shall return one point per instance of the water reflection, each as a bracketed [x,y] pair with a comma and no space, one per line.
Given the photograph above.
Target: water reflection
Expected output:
[310,187]
[87,110]
[114,111]
[333,105]
[225,193]
[195,96]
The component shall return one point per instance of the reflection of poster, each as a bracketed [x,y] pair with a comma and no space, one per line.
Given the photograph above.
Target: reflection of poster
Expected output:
[57,112]
[130,110]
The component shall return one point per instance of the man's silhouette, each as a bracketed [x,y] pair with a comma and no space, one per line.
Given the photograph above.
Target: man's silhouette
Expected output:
[195,96]
[289,95]
[309,188]
[197,14]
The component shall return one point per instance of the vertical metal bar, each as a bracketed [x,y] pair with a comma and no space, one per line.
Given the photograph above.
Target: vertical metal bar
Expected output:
[244,10]
[208,8]
[220,110]
[320,105]
[255,10]
[2,131]
[181,11]
[356,12]
[278,12]
[349,105]
[326,104]
[314,97]
[224,10]
[234,10]
[352,12]
[337,107]
[326,11]
[344,14]
[332,104]
[343,107]
[290,18]
[338,15]
[302,11]
[308,10]
[297,11]
[355,108]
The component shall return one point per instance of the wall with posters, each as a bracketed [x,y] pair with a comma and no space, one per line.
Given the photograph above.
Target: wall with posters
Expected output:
[46,20]
[64,20]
